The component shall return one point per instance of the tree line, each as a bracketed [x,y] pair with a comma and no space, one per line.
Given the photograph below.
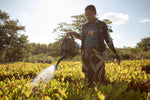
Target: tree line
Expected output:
[15,46]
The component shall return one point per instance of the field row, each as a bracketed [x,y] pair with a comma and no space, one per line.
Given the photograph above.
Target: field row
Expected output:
[127,81]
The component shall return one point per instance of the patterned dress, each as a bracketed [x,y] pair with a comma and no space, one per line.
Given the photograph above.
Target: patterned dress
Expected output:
[92,58]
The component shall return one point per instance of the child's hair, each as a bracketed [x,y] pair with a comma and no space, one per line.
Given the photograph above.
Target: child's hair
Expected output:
[91,7]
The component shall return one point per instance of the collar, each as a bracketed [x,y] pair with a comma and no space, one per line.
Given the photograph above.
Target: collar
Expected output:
[95,21]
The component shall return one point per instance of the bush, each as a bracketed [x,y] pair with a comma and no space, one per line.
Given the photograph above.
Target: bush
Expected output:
[41,58]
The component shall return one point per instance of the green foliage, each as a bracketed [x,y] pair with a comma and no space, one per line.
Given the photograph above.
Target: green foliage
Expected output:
[127,82]
[63,28]
[56,49]
[144,44]
[8,30]
[76,25]
[12,44]
[37,48]
[77,22]
[41,58]
[15,47]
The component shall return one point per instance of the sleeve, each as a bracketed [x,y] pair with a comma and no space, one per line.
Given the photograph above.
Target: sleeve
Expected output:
[82,32]
[106,34]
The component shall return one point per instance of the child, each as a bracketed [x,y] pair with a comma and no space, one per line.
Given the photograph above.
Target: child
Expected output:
[93,34]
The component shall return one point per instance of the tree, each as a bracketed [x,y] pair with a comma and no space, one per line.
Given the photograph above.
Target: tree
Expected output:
[56,49]
[12,44]
[76,25]
[77,22]
[144,44]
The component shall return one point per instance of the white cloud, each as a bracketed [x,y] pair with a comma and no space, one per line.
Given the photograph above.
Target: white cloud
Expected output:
[116,36]
[145,20]
[116,18]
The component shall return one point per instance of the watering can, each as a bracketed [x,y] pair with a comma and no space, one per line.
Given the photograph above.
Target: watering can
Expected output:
[69,47]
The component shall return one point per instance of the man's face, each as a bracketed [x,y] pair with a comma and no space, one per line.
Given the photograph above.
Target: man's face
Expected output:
[90,15]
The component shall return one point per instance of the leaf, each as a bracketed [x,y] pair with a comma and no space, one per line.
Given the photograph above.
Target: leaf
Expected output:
[62,92]
[47,98]
[101,96]
[121,90]
[1,93]
[148,96]
[109,88]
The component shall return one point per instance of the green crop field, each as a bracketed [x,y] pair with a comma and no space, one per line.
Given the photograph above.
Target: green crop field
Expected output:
[127,81]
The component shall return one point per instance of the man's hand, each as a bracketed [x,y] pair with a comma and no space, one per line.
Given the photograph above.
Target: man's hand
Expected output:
[118,58]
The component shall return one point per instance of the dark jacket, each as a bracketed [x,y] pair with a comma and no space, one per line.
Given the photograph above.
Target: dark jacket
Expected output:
[102,35]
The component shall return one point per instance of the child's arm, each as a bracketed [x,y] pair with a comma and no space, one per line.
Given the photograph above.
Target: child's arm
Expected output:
[109,42]
[77,35]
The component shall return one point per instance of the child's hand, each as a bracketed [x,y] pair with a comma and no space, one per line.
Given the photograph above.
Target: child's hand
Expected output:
[71,33]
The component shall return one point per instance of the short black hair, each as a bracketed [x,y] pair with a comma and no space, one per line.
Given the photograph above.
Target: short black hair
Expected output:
[91,7]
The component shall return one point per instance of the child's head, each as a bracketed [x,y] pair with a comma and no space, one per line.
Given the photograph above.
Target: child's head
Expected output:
[90,13]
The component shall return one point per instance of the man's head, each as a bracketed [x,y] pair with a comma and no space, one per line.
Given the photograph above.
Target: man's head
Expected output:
[90,13]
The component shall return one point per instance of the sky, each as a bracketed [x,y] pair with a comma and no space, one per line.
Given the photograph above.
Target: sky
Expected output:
[130,18]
